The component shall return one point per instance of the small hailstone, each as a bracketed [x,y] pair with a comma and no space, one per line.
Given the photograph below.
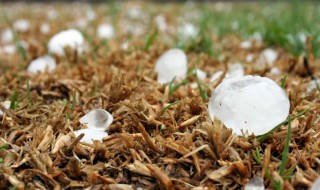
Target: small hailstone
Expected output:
[275,71]
[246,44]
[81,23]
[45,28]
[187,30]
[125,45]
[52,14]
[235,25]
[268,56]
[98,119]
[256,36]
[9,49]
[5,104]
[215,76]
[171,64]
[249,58]
[161,23]
[7,35]
[90,14]
[313,85]
[68,38]
[200,74]
[21,25]
[235,70]
[255,183]
[90,134]
[316,185]
[249,103]
[105,31]
[41,64]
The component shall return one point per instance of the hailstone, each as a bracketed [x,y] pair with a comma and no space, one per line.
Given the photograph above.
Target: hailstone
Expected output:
[5,104]
[21,25]
[45,28]
[90,135]
[268,57]
[255,183]
[68,38]
[41,64]
[249,103]
[173,63]
[97,119]
[7,35]
[105,31]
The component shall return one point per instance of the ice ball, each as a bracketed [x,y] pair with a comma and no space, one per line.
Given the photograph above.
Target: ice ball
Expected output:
[98,119]
[41,64]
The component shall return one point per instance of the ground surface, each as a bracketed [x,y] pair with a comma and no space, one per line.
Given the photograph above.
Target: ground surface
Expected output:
[162,136]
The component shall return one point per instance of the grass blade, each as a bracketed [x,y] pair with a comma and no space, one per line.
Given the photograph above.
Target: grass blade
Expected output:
[203,94]
[173,88]
[150,40]
[285,151]
[283,81]
[168,106]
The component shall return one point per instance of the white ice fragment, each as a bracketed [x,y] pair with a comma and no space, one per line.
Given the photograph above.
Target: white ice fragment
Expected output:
[256,36]
[316,184]
[98,119]
[268,56]
[52,14]
[313,85]
[45,28]
[21,25]
[171,64]
[125,45]
[275,71]
[68,38]
[90,135]
[216,76]
[42,64]
[105,31]
[200,74]
[161,23]
[81,23]
[187,30]
[6,35]
[249,58]
[9,49]
[235,70]
[90,14]
[249,103]
[246,44]
[5,104]
[255,183]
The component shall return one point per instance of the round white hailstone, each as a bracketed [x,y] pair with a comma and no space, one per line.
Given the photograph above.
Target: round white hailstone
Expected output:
[187,30]
[21,25]
[250,103]
[235,70]
[200,74]
[97,119]
[316,185]
[249,58]
[246,44]
[215,76]
[161,23]
[105,31]
[90,135]
[171,64]
[5,104]
[257,36]
[6,35]
[275,71]
[313,85]
[9,49]
[255,183]
[68,38]
[42,64]
[268,56]
[45,28]
[125,45]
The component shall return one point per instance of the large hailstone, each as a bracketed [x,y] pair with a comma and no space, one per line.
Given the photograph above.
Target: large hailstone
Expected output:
[41,64]
[171,64]
[251,103]
[105,31]
[98,119]
[68,38]
[90,135]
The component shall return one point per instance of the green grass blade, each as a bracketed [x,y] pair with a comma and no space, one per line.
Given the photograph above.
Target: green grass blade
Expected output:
[168,106]
[173,88]
[203,94]
[285,152]
[150,40]
[283,81]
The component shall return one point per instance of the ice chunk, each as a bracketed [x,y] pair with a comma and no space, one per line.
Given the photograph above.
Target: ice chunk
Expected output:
[45,28]
[187,30]
[173,63]
[235,70]
[255,183]
[216,76]
[200,74]
[5,104]
[105,31]
[246,44]
[68,38]
[313,85]
[268,56]
[249,58]
[9,49]
[6,35]
[275,71]
[251,103]
[316,185]
[90,134]
[98,119]
[21,25]
[41,64]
